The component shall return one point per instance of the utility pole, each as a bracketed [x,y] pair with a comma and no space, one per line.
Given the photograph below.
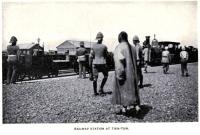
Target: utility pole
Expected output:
[38,40]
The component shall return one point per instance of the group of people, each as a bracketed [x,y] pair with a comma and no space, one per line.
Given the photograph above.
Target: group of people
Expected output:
[97,62]
[128,68]
[183,59]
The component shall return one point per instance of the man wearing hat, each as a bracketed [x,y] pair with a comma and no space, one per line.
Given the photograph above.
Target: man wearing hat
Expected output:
[81,54]
[13,56]
[98,55]
[147,55]
[184,58]
[139,54]
[165,60]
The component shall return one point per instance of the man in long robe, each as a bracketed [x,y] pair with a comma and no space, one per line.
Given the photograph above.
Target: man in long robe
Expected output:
[126,91]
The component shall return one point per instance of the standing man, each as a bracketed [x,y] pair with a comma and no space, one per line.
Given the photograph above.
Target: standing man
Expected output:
[139,53]
[165,60]
[146,53]
[13,57]
[81,54]
[125,92]
[98,55]
[184,59]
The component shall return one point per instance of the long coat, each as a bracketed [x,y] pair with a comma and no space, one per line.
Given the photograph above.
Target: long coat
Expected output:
[127,93]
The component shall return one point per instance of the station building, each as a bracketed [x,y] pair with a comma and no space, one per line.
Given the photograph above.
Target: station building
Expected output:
[31,49]
[70,46]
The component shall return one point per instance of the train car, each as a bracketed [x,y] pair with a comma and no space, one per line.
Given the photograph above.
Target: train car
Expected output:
[35,67]
[32,67]
[193,54]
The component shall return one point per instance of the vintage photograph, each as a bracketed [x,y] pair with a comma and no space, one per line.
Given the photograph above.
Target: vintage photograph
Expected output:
[99,62]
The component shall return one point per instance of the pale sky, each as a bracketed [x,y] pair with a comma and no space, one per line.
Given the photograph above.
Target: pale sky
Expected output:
[56,22]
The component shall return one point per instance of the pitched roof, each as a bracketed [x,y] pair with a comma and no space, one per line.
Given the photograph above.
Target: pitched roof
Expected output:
[26,46]
[168,42]
[75,44]
[66,43]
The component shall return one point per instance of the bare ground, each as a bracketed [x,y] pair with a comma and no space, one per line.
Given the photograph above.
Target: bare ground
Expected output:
[165,98]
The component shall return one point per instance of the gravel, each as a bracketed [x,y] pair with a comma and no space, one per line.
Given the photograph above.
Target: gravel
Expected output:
[165,98]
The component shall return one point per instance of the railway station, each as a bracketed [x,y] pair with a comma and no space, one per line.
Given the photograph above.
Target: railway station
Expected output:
[48,90]
[99,62]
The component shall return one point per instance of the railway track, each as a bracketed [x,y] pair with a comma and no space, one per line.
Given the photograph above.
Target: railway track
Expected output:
[62,73]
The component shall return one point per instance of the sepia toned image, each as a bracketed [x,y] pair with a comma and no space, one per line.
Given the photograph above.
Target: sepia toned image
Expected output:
[99,62]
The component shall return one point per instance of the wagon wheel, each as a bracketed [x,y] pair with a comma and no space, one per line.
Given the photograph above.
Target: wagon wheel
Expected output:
[21,76]
[53,73]
[39,75]
[76,68]
[56,75]
[31,75]
[76,71]
[49,75]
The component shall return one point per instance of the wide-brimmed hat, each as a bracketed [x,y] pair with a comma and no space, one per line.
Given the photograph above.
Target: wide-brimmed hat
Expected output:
[81,44]
[136,38]
[13,39]
[99,35]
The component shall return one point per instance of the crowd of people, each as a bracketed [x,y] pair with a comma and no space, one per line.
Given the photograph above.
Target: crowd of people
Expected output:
[128,60]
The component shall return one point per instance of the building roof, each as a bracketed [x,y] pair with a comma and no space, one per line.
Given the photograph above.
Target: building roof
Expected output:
[168,42]
[75,44]
[26,46]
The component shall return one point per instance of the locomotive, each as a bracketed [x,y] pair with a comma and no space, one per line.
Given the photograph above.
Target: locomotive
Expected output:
[156,47]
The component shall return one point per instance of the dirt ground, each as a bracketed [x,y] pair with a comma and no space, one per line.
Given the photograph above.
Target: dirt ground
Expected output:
[165,98]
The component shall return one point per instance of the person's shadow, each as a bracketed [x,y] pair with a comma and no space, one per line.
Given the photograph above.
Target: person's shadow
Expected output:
[149,72]
[144,109]
[105,93]
[169,73]
[147,85]
[108,92]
